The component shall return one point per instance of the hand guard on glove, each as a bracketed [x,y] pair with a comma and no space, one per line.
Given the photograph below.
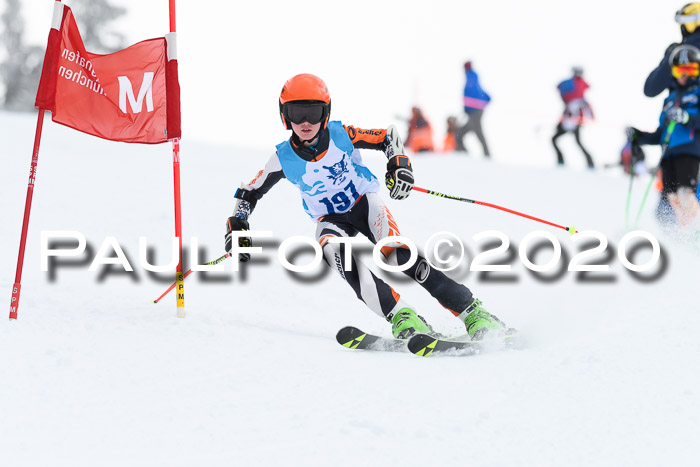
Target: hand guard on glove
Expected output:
[239,225]
[632,134]
[399,177]
[677,115]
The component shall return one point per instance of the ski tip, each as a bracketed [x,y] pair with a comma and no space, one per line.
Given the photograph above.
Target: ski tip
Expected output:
[422,345]
[346,331]
[349,336]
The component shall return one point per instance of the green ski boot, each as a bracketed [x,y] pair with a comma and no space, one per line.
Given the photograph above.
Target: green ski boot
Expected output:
[405,323]
[480,323]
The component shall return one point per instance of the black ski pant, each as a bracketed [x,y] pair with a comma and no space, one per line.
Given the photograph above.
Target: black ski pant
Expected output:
[371,218]
[577,134]
[473,124]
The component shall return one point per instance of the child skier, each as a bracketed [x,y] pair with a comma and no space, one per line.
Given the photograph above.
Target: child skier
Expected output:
[339,192]
[678,125]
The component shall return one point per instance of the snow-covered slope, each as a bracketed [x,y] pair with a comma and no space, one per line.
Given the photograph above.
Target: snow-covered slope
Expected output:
[92,373]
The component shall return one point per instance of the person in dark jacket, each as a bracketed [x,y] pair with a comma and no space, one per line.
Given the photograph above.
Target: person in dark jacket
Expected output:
[660,78]
[679,124]
[450,142]
[475,101]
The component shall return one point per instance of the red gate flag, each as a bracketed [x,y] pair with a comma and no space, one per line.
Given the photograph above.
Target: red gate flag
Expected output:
[132,95]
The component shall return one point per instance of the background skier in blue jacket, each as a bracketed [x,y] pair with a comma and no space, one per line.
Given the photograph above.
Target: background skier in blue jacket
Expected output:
[679,124]
[475,101]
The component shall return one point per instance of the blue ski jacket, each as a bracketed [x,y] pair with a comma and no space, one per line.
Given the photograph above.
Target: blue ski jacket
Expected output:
[682,140]
[475,98]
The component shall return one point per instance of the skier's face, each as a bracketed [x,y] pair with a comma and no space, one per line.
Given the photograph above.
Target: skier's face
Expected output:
[306,131]
[683,80]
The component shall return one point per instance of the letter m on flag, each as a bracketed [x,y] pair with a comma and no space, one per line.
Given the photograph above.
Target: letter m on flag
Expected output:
[145,93]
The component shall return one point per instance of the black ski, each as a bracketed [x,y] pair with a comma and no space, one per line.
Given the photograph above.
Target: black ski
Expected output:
[425,345]
[354,338]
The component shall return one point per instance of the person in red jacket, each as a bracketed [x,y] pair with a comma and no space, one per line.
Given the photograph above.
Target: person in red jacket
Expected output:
[420,134]
[576,111]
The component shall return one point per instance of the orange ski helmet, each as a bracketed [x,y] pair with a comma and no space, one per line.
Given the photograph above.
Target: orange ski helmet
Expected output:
[305,97]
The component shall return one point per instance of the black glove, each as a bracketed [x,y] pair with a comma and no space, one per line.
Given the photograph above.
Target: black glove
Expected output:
[399,177]
[239,225]
[637,153]
[632,134]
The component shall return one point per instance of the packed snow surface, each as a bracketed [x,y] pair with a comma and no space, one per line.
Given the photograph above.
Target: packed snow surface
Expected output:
[93,373]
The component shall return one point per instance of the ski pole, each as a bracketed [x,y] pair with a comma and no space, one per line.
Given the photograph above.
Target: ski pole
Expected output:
[572,230]
[629,197]
[664,148]
[210,263]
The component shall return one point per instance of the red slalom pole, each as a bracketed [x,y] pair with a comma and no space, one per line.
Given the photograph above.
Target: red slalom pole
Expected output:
[572,230]
[179,277]
[172,16]
[16,287]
